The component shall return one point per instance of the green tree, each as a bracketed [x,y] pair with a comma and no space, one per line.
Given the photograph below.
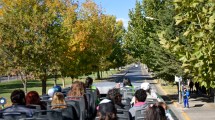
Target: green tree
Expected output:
[147,21]
[194,42]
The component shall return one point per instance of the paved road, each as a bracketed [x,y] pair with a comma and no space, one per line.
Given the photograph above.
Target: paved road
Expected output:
[136,74]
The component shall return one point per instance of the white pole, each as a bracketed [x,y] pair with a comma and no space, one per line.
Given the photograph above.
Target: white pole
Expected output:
[179,92]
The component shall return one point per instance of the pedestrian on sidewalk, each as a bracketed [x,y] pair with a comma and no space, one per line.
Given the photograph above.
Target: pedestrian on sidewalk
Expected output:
[186,95]
[191,84]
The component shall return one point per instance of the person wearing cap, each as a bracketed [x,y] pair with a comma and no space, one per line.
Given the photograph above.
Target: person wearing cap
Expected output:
[186,95]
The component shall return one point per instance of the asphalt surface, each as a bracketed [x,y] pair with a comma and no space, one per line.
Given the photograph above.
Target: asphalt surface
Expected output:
[138,75]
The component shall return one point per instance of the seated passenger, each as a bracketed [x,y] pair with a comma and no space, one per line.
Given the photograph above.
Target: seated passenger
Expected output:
[107,111]
[58,101]
[18,104]
[155,112]
[77,90]
[89,84]
[115,96]
[168,115]
[52,90]
[33,98]
[140,97]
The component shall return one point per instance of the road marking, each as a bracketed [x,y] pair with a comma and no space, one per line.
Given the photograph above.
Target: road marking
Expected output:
[185,115]
[176,105]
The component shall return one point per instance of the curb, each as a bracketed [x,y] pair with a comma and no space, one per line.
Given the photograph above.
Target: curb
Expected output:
[176,105]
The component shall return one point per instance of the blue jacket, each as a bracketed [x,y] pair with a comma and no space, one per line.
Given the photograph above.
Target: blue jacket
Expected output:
[18,108]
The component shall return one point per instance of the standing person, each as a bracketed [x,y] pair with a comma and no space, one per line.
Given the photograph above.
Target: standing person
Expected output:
[186,95]
[140,98]
[18,103]
[33,98]
[89,84]
[127,84]
[191,84]
[197,87]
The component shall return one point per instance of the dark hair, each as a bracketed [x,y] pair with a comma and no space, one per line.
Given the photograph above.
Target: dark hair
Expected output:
[32,97]
[107,111]
[126,82]
[18,97]
[155,113]
[114,95]
[88,82]
[140,95]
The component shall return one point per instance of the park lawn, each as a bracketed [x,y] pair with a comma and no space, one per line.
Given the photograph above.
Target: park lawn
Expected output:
[35,85]
[169,88]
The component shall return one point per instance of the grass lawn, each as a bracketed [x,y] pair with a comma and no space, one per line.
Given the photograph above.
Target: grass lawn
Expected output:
[7,87]
[170,88]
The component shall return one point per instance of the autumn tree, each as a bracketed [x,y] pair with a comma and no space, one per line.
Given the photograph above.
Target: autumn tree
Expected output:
[92,42]
[34,34]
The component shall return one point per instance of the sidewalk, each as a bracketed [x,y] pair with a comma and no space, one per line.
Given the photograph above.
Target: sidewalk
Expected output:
[201,107]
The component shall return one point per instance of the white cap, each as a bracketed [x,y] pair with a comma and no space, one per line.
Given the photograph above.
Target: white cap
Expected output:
[105,101]
[145,86]
[51,92]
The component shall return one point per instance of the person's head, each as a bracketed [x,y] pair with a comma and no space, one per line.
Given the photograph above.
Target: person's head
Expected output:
[51,92]
[114,95]
[140,95]
[32,97]
[163,105]
[18,97]
[77,89]
[107,111]
[126,82]
[88,82]
[58,99]
[145,86]
[57,88]
[155,112]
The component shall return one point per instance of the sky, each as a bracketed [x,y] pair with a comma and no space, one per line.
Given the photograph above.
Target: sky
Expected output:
[118,8]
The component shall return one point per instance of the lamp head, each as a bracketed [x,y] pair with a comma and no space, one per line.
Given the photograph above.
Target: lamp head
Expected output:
[3,101]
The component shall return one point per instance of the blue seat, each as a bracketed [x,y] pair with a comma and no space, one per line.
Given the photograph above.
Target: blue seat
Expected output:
[50,114]
[68,113]
[76,107]
[81,102]
[140,114]
[123,114]
[14,115]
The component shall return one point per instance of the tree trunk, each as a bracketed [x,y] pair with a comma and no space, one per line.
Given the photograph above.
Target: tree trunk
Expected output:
[44,85]
[25,85]
[72,77]
[24,82]
[63,82]
[214,94]
[55,81]
[98,75]
[101,75]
